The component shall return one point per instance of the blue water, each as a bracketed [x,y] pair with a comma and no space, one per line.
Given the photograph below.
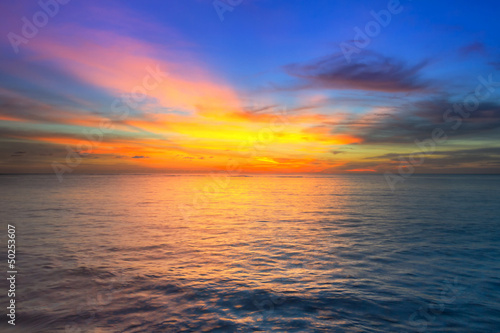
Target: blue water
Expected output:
[156,253]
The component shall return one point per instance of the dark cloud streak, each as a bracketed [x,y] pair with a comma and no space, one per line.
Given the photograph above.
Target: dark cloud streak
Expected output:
[371,73]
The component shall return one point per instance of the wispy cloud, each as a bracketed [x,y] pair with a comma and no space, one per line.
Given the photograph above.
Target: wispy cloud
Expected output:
[475,47]
[373,72]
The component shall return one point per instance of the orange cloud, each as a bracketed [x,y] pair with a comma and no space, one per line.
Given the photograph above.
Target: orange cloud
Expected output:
[123,65]
[206,124]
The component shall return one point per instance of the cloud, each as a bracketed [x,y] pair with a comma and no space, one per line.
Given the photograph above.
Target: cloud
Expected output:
[372,73]
[475,160]
[416,120]
[460,160]
[140,156]
[96,57]
[458,154]
[476,47]
[495,64]
[15,107]
[18,154]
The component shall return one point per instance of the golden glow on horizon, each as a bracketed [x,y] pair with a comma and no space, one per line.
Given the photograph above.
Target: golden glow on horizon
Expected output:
[204,127]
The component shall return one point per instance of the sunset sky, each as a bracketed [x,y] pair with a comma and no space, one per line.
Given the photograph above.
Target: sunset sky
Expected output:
[257,86]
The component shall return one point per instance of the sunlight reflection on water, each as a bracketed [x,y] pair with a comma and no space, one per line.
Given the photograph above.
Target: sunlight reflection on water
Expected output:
[339,253]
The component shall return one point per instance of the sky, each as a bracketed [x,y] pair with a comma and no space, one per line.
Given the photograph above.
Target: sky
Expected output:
[249,86]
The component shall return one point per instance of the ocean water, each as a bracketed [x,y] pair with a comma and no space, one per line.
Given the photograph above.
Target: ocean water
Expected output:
[157,253]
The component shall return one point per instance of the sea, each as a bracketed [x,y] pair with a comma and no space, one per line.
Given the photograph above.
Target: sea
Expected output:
[253,253]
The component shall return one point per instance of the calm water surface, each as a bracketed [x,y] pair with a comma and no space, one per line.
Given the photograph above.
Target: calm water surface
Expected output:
[151,253]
